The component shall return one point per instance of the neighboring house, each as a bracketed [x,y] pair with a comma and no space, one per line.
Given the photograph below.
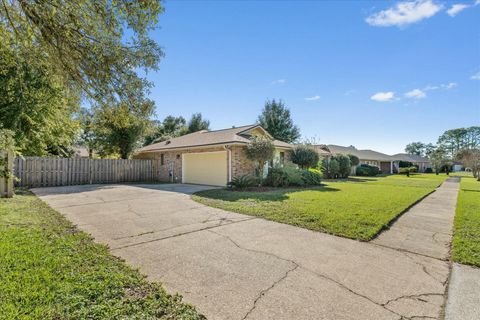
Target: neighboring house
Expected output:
[421,162]
[457,166]
[383,161]
[209,157]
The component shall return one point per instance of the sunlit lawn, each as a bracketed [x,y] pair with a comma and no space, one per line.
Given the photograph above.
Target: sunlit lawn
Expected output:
[357,208]
[466,239]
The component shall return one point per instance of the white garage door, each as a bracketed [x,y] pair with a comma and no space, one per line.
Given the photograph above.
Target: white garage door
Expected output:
[208,168]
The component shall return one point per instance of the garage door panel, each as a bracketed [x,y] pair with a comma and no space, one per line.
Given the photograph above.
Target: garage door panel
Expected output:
[205,168]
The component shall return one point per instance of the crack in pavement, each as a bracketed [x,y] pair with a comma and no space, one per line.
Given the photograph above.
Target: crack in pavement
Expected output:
[298,265]
[264,291]
[180,234]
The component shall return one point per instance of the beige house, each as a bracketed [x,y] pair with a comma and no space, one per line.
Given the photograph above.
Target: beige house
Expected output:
[380,160]
[209,157]
[421,162]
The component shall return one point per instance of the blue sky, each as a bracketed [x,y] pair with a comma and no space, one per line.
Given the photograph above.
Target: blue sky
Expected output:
[373,74]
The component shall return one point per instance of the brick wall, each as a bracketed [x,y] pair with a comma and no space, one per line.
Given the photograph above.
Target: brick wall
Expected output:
[241,165]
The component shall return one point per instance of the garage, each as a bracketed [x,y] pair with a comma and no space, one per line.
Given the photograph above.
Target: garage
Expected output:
[210,168]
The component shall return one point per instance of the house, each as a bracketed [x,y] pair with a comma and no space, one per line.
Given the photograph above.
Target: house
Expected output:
[209,157]
[421,162]
[383,161]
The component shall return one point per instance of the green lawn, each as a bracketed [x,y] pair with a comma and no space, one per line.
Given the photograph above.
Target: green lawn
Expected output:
[358,208]
[49,270]
[466,239]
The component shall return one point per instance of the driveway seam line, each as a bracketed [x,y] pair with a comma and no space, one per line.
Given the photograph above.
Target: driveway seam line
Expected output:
[180,234]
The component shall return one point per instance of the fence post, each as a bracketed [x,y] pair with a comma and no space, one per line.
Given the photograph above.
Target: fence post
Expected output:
[6,174]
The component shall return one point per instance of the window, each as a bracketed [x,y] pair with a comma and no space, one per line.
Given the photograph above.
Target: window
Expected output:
[162,159]
[282,158]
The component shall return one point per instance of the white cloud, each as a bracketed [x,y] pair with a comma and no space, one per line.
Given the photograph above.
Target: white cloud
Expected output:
[476,76]
[314,98]
[449,86]
[279,81]
[383,96]
[404,13]
[350,92]
[456,8]
[416,94]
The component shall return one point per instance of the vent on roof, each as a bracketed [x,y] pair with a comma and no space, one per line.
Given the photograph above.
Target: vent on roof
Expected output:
[168,142]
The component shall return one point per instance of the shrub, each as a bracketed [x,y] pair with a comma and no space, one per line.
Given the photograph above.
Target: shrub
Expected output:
[344,166]
[413,169]
[408,170]
[429,170]
[404,164]
[367,170]
[312,177]
[330,168]
[243,182]
[354,160]
[260,150]
[305,156]
[284,177]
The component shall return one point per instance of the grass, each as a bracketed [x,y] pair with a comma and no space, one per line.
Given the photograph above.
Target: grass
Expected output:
[466,238]
[50,270]
[357,208]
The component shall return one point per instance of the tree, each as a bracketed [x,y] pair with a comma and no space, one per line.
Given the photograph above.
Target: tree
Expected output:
[354,160]
[455,140]
[87,132]
[471,158]
[330,168]
[122,128]
[170,127]
[197,123]
[276,119]
[439,159]
[260,150]
[417,148]
[94,46]
[305,156]
[344,166]
[33,102]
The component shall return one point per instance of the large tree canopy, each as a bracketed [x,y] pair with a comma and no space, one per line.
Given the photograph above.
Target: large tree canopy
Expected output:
[455,140]
[33,101]
[86,42]
[276,119]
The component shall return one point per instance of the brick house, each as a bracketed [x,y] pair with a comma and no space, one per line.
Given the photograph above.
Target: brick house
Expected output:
[209,157]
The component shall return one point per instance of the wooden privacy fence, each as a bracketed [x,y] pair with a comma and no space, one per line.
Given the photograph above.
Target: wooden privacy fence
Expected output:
[48,172]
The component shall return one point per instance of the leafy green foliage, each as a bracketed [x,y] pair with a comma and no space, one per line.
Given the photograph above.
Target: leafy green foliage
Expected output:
[284,176]
[276,119]
[50,270]
[260,150]
[170,127]
[121,128]
[329,208]
[330,167]
[312,177]
[367,170]
[243,182]
[466,238]
[91,46]
[305,156]
[197,123]
[354,160]
[33,102]
[344,167]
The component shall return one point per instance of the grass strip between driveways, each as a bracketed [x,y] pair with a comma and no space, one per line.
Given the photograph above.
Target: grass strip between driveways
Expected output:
[466,238]
[357,208]
[50,270]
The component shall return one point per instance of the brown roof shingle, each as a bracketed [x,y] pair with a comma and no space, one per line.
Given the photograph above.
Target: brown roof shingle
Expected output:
[208,138]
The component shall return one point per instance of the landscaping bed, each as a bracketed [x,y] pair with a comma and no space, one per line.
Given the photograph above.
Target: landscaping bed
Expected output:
[356,208]
[466,239]
[50,270]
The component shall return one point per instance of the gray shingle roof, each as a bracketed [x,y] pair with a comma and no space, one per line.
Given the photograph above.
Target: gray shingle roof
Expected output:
[209,138]
[361,154]
[410,157]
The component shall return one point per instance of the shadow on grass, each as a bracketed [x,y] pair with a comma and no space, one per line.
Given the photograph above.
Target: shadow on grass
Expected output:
[279,194]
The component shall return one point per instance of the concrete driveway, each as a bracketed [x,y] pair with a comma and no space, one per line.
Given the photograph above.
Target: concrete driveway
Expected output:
[233,266]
